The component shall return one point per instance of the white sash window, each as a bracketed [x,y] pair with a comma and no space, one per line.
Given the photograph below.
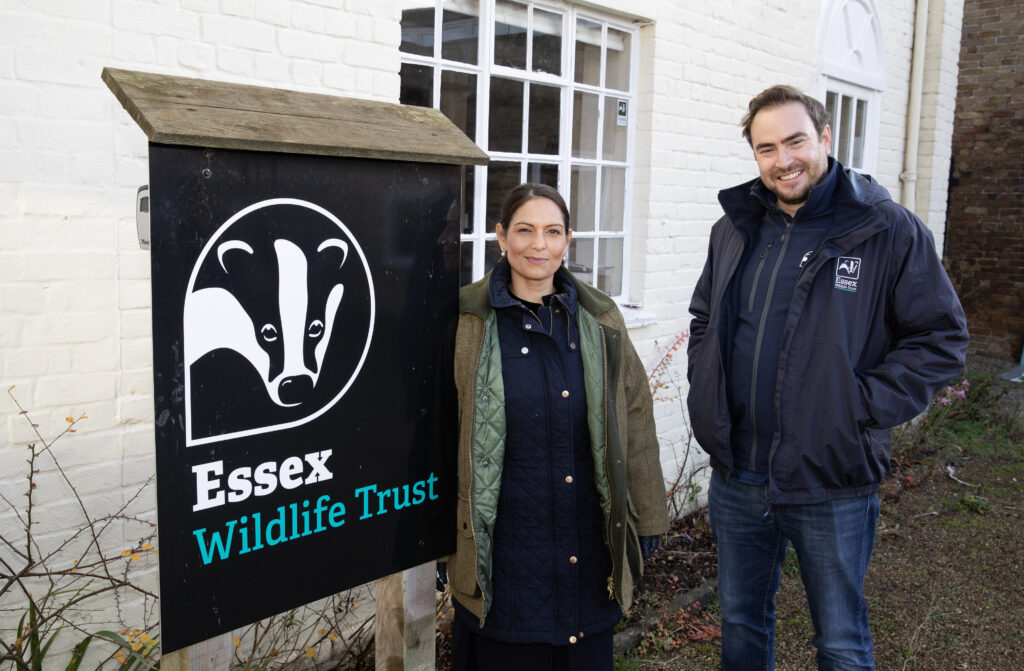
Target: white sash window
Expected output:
[549,91]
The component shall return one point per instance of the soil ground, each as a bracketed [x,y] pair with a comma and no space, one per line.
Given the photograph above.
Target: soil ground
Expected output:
[945,587]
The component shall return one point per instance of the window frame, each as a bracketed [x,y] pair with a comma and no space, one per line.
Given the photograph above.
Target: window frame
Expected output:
[851,62]
[871,98]
[485,69]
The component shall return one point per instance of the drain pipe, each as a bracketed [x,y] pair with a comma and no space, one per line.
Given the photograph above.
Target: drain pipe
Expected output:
[908,177]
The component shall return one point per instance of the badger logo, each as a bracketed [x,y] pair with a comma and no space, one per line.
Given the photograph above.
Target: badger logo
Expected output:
[278,320]
[848,266]
[847,273]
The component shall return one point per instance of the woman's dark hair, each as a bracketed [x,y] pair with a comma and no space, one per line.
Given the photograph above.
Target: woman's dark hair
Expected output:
[777,96]
[524,192]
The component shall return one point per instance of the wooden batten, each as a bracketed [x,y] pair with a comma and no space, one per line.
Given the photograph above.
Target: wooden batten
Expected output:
[203,113]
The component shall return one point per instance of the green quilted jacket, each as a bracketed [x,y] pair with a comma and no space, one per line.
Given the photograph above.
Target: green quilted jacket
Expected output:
[621,422]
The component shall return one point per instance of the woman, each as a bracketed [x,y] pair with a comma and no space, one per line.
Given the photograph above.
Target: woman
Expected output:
[558,461]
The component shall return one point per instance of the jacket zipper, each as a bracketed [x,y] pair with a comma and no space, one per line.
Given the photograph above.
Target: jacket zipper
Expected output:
[757,276]
[784,240]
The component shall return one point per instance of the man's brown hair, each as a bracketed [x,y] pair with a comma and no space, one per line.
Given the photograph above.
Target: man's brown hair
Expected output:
[781,95]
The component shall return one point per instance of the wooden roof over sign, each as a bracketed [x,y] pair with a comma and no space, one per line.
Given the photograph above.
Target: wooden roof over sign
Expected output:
[203,113]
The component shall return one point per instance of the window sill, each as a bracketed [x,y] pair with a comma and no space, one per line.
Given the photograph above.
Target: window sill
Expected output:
[635,317]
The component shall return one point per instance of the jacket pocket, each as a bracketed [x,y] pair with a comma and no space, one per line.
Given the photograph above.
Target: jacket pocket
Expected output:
[825,441]
[706,400]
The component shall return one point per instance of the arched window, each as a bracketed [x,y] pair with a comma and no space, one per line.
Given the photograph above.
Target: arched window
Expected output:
[851,55]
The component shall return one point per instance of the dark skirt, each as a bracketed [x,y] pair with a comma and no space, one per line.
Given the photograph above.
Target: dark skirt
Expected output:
[473,652]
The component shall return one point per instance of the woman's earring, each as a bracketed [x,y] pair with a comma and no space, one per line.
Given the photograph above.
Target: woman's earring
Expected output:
[503,252]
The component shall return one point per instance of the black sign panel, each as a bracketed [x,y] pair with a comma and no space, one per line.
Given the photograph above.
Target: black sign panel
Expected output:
[304,418]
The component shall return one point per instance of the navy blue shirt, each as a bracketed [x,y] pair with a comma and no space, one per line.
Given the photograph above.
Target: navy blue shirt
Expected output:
[780,247]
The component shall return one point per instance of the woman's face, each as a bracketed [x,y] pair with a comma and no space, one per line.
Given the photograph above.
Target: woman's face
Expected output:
[535,240]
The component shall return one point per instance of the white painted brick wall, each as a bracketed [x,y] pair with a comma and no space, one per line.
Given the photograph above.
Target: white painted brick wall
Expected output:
[74,287]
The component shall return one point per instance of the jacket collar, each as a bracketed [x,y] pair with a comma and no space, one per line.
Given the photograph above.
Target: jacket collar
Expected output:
[842,190]
[476,298]
[500,294]
[819,200]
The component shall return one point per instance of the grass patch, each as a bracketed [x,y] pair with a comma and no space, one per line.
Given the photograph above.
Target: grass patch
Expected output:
[969,503]
[970,416]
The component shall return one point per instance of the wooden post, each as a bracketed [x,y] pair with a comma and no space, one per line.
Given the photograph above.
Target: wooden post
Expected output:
[212,655]
[405,623]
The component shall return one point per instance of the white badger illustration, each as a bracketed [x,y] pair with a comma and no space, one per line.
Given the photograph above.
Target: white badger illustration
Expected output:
[286,348]
[850,265]
[268,343]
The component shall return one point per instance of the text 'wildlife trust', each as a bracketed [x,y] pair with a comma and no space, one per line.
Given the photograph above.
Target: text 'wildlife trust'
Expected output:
[255,531]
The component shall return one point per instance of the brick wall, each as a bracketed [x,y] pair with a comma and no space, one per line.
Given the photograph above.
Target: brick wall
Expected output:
[985,228]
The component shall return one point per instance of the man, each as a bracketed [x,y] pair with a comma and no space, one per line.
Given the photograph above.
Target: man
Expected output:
[822,319]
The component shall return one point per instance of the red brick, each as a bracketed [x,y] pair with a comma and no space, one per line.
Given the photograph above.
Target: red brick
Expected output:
[984,248]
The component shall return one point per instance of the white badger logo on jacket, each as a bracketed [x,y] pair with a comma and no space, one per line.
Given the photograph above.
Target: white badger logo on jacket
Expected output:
[266,291]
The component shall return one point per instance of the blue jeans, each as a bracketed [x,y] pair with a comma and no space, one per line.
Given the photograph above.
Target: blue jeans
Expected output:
[833,541]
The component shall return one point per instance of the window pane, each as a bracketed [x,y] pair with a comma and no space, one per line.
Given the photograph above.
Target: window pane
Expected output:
[609,266]
[584,125]
[616,115]
[547,42]
[613,194]
[542,173]
[617,60]
[581,197]
[460,28]
[858,134]
[506,115]
[469,179]
[510,34]
[845,126]
[418,29]
[458,100]
[830,107]
[545,113]
[588,52]
[465,263]
[581,258]
[502,177]
[492,252]
[417,85]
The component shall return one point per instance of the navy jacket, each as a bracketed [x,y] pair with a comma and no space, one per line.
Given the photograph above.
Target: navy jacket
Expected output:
[780,247]
[873,330]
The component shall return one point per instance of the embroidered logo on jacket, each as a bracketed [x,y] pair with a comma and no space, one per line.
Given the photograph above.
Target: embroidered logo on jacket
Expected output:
[847,273]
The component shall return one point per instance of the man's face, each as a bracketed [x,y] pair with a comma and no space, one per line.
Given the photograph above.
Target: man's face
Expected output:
[790,155]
